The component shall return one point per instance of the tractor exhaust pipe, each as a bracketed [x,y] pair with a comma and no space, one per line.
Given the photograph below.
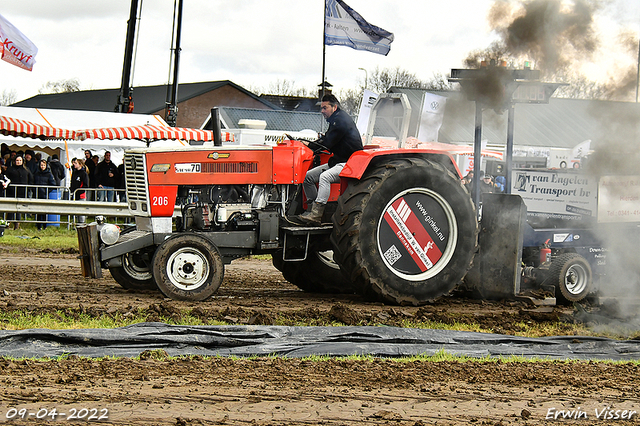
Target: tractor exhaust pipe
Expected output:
[215,127]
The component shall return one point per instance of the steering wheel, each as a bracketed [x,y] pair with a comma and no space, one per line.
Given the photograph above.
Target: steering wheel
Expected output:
[317,147]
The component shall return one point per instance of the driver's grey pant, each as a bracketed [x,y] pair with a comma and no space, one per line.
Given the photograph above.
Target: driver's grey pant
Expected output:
[324,177]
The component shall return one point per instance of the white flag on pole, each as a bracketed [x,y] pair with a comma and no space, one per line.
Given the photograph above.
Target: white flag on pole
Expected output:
[432,116]
[368,99]
[17,49]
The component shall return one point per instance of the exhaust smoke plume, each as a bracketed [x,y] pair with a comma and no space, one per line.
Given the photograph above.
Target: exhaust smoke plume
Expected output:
[552,32]
[559,38]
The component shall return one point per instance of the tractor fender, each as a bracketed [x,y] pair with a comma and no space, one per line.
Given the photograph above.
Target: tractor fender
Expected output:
[360,160]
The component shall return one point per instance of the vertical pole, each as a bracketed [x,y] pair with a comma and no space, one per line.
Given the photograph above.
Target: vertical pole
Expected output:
[477,156]
[123,102]
[638,72]
[215,126]
[324,49]
[172,115]
[509,153]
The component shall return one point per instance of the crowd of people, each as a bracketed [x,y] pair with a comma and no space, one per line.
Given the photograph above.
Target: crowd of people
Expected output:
[28,175]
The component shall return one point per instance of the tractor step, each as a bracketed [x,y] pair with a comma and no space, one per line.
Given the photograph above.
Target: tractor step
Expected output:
[303,230]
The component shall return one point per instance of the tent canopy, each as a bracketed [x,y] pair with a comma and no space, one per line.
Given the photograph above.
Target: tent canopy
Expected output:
[151,133]
[16,127]
[75,119]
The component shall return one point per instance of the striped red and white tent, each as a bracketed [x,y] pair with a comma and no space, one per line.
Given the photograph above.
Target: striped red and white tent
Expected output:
[10,126]
[151,133]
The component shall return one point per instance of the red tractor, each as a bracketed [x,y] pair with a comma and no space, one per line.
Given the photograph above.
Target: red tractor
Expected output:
[400,227]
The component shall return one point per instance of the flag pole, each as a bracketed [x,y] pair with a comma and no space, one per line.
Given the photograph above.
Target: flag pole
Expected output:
[324,49]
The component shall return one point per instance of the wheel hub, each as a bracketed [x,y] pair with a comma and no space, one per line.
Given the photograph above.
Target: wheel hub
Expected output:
[188,269]
[417,233]
[576,279]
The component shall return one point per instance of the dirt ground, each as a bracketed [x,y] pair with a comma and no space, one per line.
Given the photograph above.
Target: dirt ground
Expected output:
[269,391]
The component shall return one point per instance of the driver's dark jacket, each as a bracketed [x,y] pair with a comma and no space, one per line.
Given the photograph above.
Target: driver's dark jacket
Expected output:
[342,137]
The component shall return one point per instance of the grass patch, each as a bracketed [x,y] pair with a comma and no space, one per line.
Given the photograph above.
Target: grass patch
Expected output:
[51,238]
[22,320]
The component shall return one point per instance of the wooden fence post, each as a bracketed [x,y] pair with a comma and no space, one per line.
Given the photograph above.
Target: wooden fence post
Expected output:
[89,250]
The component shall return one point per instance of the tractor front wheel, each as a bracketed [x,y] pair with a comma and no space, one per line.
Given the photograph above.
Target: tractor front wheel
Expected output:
[188,267]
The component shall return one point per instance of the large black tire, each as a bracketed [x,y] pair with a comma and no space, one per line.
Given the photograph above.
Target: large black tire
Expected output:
[571,274]
[188,267]
[318,273]
[429,208]
[135,272]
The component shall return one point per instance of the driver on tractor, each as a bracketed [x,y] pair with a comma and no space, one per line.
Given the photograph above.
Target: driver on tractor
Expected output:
[341,139]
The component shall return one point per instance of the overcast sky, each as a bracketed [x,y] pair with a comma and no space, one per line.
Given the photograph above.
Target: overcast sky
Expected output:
[253,43]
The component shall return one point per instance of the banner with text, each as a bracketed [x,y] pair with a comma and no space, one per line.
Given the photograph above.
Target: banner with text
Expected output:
[432,117]
[619,199]
[368,99]
[16,49]
[346,27]
[557,195]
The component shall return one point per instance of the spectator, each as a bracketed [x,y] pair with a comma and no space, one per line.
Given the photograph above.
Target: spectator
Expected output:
[106,178]
[121,186]
[4,181]
[12,158]
[57,169]
[90,168]
[20,177]
[487,184]
[79,179]
[467,180]
[4,149]
[42,179]
[501,183]
[30,161]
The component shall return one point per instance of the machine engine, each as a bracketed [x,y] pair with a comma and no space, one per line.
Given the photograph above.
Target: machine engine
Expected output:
[225,207]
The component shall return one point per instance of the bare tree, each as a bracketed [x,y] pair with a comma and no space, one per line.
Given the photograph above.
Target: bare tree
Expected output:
[8,97]
[579,87]
[438,82]
[381,80]
[60,86]
[283,88]
[350,100]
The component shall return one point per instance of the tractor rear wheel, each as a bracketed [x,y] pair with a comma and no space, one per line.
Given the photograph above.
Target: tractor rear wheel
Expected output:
[188,267]
[318,273]
[406,232]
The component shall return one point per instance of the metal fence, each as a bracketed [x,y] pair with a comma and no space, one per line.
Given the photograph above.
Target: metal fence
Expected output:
[57,206]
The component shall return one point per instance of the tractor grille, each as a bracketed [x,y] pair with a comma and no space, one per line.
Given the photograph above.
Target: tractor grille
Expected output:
[136,177]
[230,167]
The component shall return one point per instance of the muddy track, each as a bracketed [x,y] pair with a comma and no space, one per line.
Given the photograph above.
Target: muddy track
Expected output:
[197,391]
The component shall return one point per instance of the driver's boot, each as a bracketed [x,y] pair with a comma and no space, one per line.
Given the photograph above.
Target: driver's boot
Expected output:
[313,216]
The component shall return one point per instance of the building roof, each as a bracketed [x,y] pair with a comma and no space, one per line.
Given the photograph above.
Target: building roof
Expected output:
[276,120]
[293,103]
[147,99]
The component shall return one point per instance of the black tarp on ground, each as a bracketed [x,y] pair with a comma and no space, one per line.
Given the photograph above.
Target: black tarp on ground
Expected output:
[296,342]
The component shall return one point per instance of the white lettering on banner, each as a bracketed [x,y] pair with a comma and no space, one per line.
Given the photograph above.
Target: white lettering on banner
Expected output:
[432,223]
[406,233]
[16,48]
[547,192]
